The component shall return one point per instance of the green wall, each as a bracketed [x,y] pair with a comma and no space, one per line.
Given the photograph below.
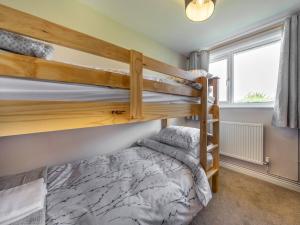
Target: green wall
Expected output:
[78,16]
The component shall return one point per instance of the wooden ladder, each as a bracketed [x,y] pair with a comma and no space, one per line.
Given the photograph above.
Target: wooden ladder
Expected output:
[210,141]
[213,148]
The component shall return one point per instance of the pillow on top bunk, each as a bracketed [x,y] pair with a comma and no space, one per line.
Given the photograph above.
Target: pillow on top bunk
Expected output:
[179,136]
[26,46]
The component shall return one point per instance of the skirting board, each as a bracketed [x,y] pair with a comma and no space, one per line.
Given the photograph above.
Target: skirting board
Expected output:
[262,176]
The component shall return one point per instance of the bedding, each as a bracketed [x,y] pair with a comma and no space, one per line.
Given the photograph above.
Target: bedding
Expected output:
[19,89]
[37,218]
[179,136]
[139,185]
[180,154]
[19,44]
[22,201]
[161,78]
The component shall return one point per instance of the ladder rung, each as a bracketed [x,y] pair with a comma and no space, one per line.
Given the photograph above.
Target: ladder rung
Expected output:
[213,120]
[211,172]
[210,136]
[211,148]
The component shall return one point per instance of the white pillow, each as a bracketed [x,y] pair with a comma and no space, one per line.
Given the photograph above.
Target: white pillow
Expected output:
[179,136]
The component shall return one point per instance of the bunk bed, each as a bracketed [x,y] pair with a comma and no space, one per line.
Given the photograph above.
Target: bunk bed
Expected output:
[42,115]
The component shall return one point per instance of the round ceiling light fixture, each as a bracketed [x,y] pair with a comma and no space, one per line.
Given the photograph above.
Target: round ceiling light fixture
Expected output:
[199,10]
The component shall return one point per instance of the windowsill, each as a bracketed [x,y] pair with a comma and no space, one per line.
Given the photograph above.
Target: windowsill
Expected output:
[247,106]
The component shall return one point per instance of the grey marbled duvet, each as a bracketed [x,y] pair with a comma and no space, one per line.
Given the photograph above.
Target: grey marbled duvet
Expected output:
[138,185]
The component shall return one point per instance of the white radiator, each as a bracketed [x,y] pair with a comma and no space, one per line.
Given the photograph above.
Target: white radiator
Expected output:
[243,141]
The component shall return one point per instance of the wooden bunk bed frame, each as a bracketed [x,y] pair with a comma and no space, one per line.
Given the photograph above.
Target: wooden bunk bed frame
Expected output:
[29,116]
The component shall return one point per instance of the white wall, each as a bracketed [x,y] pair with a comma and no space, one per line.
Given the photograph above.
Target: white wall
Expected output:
[25,152]
[77,16]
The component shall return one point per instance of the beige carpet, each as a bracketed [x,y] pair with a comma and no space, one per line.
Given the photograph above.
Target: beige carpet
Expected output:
[243,200]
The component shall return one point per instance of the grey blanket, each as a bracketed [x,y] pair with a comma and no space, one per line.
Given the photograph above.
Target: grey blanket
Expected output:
[138,185]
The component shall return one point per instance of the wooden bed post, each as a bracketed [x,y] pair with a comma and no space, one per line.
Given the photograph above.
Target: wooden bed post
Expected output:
[136,85]
[215,85]
[216,152]
[164,123]
[203,122]
[216,134]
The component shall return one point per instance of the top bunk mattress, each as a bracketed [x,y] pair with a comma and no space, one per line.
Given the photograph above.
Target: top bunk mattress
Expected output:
[20,89]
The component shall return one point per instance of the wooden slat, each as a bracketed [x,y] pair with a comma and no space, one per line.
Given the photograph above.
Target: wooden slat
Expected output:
[214,82]
[209,137]
[210,173]
[163,111]
[25,117]
[136,85]
[216,141]
[164,123]
[212,120]
[212,147]
[203,122]
[215,181]
[155,65]
[35,27]
[19,66]
[210,108]
[216,125]
[155,86]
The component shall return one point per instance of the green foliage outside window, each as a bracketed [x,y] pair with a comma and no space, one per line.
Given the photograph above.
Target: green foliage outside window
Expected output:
[256,97]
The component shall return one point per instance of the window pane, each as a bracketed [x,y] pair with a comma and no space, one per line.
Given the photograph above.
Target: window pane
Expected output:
[255,74]
[219,69]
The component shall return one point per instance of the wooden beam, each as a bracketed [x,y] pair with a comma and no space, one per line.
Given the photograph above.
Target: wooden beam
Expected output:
[164,123]
[22,23]
[136,85]
[26,117]
[18,66]
[164,111]
[203,122]
[155,86]
[155,65]
[216,141]
[214,82]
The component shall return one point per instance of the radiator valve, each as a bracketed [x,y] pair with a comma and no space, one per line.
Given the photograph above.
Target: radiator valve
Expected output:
[267,163]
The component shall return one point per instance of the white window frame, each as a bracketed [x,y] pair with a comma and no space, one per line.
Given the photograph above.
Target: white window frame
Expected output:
[228,52]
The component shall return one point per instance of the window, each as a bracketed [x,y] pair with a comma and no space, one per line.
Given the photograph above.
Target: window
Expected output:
[255,74]
[248,72]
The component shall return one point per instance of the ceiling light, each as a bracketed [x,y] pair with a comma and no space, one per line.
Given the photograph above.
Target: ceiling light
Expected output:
[199,10]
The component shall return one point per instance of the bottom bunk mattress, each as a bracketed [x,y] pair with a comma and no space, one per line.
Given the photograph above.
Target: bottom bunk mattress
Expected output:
[138,185]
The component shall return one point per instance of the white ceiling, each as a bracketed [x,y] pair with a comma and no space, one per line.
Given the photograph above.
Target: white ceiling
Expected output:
[165,21]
